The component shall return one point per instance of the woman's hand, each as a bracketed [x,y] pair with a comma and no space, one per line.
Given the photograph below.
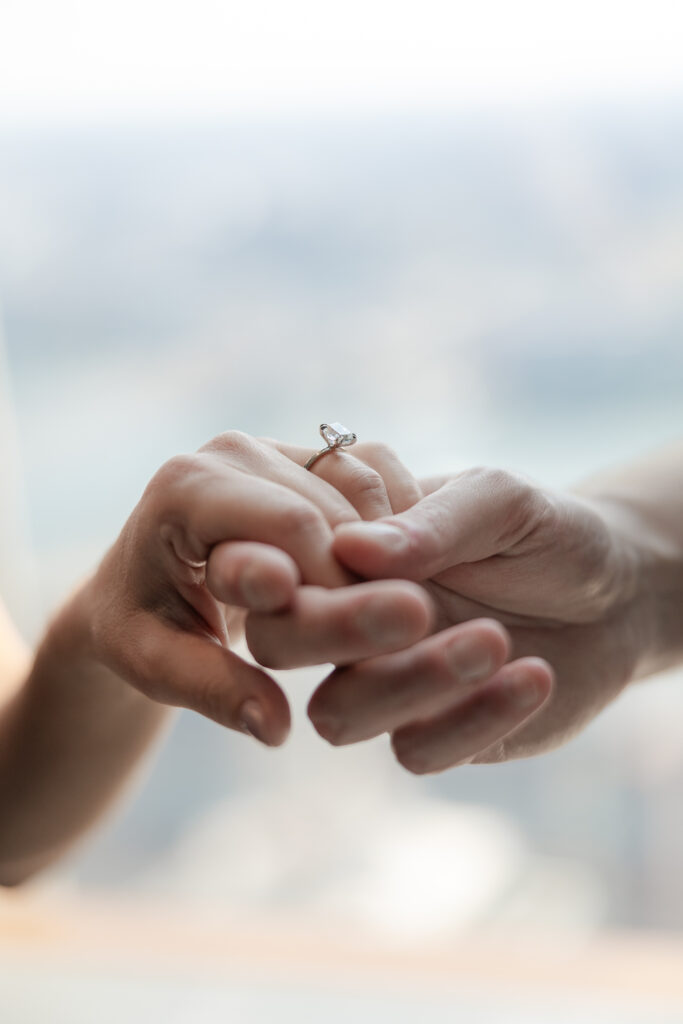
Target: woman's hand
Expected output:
[238,528]
[561,573]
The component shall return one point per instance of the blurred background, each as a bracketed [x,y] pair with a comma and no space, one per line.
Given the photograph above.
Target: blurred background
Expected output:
[457,228]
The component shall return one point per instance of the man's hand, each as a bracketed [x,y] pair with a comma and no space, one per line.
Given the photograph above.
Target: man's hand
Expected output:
[556,570]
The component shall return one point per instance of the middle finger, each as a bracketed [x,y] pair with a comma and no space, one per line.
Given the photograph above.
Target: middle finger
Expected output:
[382,694]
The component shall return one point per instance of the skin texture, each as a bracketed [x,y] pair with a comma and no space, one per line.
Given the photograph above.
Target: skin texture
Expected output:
[420,593]
[588,583]
[155,627]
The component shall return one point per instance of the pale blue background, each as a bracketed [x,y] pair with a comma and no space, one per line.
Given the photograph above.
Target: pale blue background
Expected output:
[471,288]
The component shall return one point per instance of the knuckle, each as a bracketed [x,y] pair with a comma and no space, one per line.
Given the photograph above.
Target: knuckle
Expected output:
[366,483]
[376,452]
[174,473]
[169,493]
[231,443]
[522,504]
[492,478]
[168,489]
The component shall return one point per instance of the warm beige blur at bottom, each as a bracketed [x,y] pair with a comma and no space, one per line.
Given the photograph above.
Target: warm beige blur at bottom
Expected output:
[108,961]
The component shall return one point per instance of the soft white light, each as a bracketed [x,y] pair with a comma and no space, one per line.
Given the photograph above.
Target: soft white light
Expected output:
[80,57]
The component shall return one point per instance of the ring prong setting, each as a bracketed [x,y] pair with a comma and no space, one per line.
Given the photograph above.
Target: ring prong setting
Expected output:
[336,435]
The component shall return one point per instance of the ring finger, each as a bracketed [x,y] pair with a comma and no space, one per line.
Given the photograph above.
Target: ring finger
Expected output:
[370,476]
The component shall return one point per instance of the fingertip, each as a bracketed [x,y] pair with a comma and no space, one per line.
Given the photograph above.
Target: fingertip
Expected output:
[266,723]
[542,675]
[526,683]
[328,728]
[496,636]
[189,671]
[258,577]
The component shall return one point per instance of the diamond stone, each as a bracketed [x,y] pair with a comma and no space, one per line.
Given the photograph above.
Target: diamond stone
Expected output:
[337,435]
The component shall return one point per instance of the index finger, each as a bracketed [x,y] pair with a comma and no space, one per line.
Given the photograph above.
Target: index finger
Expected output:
[475,515]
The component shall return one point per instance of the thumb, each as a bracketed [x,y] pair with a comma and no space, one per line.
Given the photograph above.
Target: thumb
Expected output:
[192,671]
[474,515]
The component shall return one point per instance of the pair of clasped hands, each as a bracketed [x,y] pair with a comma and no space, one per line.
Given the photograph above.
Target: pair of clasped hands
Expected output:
[473,618]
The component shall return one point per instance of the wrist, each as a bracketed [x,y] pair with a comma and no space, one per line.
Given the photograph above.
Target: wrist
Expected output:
[69,633]
[71,653]
[655,580]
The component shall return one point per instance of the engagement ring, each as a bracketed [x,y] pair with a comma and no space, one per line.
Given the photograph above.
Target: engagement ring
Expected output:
[336,436]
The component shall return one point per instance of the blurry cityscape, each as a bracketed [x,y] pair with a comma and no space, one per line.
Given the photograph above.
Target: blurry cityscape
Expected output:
[506,290]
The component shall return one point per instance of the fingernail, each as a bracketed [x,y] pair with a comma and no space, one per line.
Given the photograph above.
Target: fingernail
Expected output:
[413,758]
[388,537]
[469,659]
[251,720]
[328,726]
